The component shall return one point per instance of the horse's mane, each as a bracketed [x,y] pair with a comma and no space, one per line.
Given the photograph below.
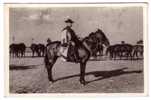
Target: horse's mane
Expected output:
[54,42]
[103,34]
[94,33]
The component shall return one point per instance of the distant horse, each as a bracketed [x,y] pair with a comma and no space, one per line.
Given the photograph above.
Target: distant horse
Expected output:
[138,51]
[22,48]
[52,54]
[41,49]
[120,51]
[12,50]
[126,51]
[34,48]
[110,51]
[37,49]
[17,50]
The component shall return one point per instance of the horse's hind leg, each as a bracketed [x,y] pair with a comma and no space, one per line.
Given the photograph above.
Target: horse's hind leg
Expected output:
[82,73]
[49,71]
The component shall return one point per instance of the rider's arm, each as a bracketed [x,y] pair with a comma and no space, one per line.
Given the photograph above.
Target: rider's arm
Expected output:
[63,37]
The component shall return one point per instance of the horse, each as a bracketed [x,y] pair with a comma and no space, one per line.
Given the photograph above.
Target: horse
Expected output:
[110,51]
[138,50]
[35,49]
[17,50]
[120,50]
[126,51]
[53,53]
[12,50]
[41,49]
[38,49]
[22,48]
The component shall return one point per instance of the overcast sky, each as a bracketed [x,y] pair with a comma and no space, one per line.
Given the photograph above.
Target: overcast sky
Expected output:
[118,24]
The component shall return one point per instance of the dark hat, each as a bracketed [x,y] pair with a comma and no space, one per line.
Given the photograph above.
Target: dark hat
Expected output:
[48,40]
[69,21]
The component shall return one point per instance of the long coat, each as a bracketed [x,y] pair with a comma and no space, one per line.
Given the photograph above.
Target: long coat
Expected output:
[68,34]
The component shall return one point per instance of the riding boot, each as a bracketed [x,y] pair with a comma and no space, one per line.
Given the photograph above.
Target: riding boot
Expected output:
[69,58]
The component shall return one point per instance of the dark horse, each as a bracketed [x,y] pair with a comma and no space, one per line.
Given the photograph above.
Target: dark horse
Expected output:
[34,49]
[120,50]
[138,50]
[52,53]
[41,49]
[17,50]
[38,49]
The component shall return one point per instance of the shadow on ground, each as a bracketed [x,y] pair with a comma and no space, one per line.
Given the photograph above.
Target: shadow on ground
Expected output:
[22,67]
[103,74]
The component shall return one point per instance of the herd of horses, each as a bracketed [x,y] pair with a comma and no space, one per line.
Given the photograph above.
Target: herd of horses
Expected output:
[126,51]
[19,50]
[96,48]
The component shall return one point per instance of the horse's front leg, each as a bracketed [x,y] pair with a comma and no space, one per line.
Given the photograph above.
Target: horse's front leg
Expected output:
[49,71]
[49,65]
[82,73]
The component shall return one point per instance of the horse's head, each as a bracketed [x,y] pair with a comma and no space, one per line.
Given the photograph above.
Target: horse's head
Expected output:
[102,38]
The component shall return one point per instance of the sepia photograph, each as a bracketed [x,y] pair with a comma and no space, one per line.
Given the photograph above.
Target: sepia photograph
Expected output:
[76,48]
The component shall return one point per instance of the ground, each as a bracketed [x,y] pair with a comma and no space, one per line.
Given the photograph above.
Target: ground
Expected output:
[28,75]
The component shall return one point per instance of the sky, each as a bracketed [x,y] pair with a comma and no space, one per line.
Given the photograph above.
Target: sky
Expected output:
[36,25]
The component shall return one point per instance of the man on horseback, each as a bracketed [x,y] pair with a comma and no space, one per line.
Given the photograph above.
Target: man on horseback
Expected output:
[48,41]
[70,42]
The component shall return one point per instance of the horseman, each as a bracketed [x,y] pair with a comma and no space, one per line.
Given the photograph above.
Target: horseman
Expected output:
[70,42]
[48,41]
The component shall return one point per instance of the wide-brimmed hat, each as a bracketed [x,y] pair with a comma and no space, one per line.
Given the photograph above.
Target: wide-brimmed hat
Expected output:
[69,21]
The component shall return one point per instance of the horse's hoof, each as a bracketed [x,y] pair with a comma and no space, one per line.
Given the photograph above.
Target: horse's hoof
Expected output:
[83,82]
[50,82]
